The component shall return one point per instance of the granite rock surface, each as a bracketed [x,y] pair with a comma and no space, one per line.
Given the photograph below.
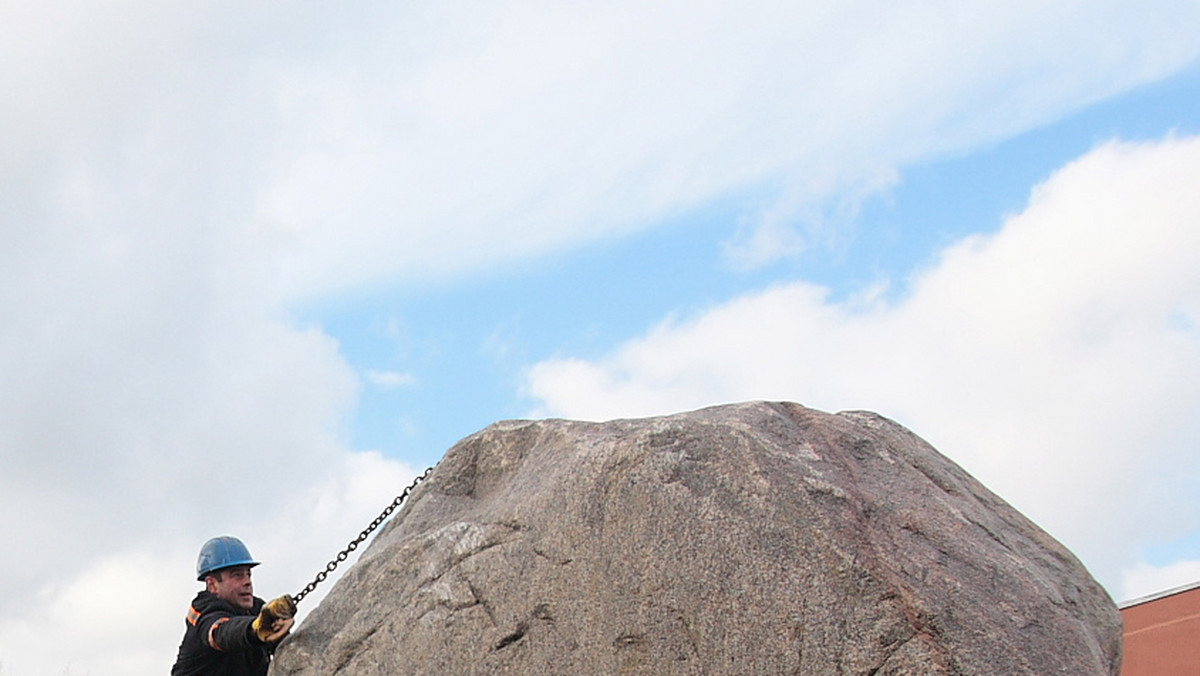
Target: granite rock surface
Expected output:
[756,538]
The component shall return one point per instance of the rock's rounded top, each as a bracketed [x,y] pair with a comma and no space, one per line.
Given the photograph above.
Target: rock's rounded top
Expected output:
[749,538]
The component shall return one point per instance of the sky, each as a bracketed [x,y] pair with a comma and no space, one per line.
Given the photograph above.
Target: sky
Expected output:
[261,265]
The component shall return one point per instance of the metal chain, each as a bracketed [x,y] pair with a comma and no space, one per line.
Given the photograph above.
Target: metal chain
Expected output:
[345,553]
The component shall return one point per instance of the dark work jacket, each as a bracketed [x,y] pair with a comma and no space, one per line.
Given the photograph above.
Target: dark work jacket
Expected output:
[218,640]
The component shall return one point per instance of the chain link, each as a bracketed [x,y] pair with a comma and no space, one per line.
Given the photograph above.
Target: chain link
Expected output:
[345,553]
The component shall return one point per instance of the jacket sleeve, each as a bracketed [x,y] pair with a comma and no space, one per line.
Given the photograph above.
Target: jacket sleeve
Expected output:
[228,633]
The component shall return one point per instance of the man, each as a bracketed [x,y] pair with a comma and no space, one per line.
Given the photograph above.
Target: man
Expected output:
[230,631]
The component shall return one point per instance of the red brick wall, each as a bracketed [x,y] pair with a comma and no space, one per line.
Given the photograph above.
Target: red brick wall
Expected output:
[1162,636]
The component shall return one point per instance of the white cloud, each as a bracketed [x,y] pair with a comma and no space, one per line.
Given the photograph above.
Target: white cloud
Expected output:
[408,140]
[548,128]
[1056,360]
[389,380]
[1145,579]
[764,242]
[100,608]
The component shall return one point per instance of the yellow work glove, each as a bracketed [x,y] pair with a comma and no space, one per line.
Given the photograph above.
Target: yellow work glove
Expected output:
[282,607]
[274,621]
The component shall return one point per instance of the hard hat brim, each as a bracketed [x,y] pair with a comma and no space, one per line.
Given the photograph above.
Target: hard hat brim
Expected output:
[227,566]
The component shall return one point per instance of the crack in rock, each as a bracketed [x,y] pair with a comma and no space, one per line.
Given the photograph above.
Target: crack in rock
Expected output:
[517,635]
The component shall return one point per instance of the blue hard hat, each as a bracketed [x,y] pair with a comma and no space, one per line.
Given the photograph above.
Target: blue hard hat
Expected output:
[222,552]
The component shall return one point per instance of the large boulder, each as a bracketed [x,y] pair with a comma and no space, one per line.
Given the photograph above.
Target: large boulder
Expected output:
[759,538]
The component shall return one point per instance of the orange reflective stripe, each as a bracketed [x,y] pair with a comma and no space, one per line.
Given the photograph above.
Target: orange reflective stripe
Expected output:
[212,639]
[193,616]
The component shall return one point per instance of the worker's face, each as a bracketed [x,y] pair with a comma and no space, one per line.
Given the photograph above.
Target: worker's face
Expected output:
[233,585]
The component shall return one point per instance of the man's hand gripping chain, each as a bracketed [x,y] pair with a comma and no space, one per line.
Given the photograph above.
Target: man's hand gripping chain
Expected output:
[275,620]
